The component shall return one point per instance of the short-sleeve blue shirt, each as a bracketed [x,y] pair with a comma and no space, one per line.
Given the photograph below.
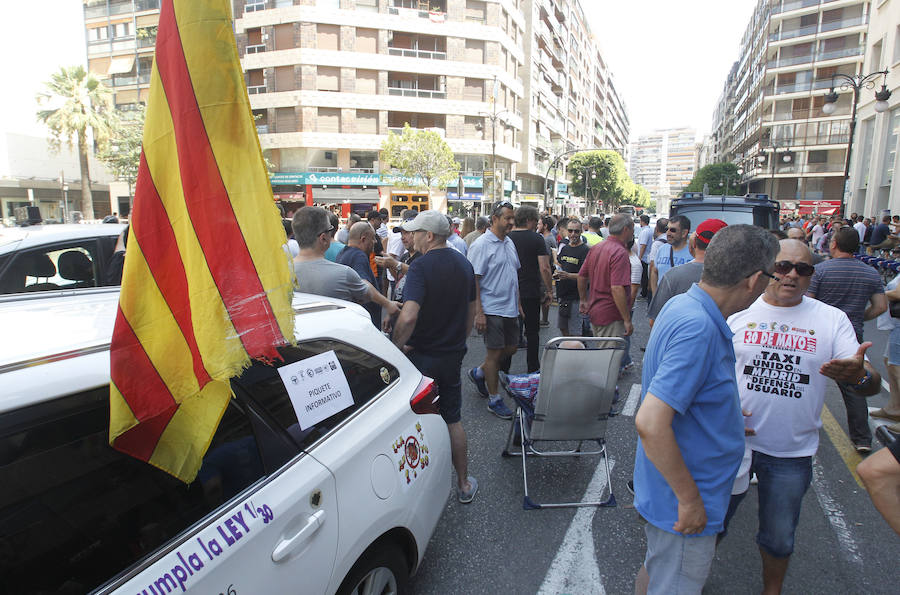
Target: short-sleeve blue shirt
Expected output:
[689,365]
[496,262]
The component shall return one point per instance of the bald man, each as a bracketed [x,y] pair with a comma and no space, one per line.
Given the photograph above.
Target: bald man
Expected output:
[782,371]
[360,242]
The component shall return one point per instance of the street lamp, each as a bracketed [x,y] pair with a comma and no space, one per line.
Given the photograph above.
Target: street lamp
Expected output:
[856,83]
[493,115]
[728,178]
[588,175]
[787,157]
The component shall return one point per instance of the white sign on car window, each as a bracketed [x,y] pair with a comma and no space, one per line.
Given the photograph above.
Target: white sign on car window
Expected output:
[317,387]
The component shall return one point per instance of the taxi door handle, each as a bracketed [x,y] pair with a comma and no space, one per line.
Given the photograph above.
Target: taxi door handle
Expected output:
[289,544]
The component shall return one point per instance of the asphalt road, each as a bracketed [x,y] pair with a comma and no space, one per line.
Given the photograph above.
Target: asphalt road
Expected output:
[494,546]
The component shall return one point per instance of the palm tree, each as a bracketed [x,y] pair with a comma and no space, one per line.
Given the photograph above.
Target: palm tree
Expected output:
[76,101]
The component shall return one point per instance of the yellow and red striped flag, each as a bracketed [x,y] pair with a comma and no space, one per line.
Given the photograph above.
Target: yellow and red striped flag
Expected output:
[207,284]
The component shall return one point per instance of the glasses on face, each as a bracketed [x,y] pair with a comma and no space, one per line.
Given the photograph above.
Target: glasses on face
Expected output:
[328,230]
[674,229]
[783,267]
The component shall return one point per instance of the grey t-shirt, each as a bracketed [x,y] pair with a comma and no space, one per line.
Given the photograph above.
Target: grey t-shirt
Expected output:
[676,281]
[323,277]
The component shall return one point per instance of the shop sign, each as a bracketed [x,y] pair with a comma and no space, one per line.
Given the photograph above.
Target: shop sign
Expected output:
[479,196]
[354,179]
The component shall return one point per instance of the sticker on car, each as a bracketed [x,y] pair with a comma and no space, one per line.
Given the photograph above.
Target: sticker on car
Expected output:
[410,454]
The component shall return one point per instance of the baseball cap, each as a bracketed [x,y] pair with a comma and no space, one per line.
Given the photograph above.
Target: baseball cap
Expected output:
[432,221]
[457,220]
[706,231]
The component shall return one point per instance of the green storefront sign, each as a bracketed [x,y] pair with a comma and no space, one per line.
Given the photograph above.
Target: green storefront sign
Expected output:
[355,179]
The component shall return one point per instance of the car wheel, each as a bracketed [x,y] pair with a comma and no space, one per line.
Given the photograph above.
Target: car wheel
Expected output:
[380,571]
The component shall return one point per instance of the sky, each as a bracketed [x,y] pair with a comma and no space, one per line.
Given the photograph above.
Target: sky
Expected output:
[669,59]
[36,38]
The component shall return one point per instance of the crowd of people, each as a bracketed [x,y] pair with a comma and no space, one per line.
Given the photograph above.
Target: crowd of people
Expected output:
[748,326]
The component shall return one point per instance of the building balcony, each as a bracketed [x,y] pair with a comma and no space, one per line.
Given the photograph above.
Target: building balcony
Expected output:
[842,53]
[254,6]
[422,93]
[785,34]
[410,53]
[255,89]
[433,16]
[442,132]
[256,48]
[789,5]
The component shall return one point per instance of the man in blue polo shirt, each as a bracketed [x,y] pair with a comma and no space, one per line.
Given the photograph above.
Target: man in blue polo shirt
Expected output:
[691,432]
[496,265]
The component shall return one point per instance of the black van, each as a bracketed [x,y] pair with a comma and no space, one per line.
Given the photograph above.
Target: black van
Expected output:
[753,209]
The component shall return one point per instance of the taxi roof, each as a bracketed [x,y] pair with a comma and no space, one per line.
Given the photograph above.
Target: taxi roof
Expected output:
[49,326]
[19,238]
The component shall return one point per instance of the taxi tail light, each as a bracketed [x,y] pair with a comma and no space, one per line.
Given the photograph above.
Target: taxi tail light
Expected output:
[425,399]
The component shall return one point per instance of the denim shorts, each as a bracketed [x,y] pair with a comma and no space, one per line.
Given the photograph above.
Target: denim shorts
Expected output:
[782,484]
[677,564]
[892,347]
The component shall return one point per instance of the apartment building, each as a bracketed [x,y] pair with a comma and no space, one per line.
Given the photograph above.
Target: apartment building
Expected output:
[664,162]
[570,99]
[507,81]
[874,155]
[769,120]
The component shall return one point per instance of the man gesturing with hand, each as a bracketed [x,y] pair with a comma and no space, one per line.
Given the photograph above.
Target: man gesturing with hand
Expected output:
[690,427]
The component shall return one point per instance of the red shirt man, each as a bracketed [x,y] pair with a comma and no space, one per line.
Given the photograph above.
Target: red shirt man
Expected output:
[607,270]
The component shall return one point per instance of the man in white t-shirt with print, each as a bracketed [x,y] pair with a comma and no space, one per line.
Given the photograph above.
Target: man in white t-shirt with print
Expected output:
[786,346]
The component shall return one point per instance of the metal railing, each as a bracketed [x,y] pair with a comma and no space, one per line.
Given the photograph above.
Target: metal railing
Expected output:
[256,48]
[423,93]
[779,62]
[843,23]
[411,53]
[399,130]
[255,89]
[841,53]
[789,5]
[262,129]
[254,6]
[792,33]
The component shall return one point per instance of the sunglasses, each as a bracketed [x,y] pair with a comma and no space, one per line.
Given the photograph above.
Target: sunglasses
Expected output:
[328,230]
[674,229]
[783,267]
[502,205]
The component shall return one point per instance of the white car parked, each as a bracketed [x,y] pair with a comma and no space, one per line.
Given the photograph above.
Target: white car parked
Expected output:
[55,257]
[282,503]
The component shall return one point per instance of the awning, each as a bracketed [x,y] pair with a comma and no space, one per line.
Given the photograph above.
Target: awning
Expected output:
[821,207]
[121,65]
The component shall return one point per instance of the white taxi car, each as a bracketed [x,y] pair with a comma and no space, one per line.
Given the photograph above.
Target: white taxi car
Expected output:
[344,505]
[56,257]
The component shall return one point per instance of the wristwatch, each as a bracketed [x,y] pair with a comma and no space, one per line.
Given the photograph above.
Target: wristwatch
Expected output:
[865,379]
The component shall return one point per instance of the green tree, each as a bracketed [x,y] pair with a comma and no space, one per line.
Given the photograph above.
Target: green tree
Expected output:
[420,156]
[122,154]
[600,175]
[719,178]
[77,104]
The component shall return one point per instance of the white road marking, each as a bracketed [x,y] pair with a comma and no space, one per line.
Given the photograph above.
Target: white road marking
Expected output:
[631,404]
[848,546]
[574,568]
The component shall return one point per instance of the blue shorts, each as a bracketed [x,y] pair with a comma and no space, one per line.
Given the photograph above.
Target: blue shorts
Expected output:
[782,484]
[892,347]
[444,368]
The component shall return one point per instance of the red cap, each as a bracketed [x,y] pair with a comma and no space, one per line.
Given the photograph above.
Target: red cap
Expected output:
[706,231]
